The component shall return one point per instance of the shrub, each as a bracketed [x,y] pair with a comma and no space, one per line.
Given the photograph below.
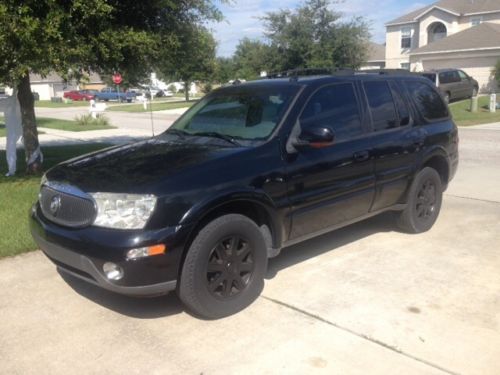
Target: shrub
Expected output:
[88,120]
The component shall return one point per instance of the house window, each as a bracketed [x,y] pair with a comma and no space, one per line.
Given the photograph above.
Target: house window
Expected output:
[436,31]
[474,21]
[406,37]
[405,65]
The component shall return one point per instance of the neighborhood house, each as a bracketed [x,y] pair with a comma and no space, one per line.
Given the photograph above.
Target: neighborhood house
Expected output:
[462,34]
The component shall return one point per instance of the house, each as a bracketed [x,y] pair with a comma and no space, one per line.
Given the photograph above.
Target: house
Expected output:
[53,85]
[376,57]
[463,34]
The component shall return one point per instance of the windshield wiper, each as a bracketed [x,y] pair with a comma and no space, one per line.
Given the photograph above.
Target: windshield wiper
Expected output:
[225,137]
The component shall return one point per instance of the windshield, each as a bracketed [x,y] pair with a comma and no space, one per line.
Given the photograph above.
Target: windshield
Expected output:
[245,113]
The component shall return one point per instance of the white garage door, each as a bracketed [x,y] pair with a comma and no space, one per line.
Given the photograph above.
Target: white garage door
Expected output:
[479,68]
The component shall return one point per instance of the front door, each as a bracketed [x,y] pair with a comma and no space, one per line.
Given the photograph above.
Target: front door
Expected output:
[331,185]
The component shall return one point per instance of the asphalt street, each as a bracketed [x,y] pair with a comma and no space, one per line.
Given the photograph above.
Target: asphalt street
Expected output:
[365,299]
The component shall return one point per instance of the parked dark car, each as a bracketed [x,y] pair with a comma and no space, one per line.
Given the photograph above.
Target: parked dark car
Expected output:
[78,95]
[248,170]
[454,84]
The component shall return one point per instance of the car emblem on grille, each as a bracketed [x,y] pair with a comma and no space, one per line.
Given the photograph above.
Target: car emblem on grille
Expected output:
[55,204]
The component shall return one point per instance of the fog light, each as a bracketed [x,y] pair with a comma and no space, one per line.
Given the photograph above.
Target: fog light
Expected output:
[142,252]
[112,271]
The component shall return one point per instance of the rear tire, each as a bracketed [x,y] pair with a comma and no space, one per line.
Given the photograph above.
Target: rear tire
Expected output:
[224,269]
[424,202]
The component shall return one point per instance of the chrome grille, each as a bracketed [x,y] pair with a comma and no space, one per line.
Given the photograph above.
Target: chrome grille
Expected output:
[66,205]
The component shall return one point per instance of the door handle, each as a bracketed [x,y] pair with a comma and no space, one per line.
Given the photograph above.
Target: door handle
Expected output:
[361,156]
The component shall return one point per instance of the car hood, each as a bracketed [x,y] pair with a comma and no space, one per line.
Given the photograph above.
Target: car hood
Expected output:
[139,167]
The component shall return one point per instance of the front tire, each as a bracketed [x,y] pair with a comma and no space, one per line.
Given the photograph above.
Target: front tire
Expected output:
[424,202]
[224,269]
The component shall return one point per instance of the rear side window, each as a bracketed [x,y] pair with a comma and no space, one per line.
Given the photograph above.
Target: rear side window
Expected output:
[381,105]
[402,107]
[427,100]
[334,106]
[449,77]
[430,76]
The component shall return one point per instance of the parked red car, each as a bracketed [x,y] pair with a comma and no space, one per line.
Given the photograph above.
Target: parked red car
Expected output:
[79,95]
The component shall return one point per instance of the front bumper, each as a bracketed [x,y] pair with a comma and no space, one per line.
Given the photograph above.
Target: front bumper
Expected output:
[82,253]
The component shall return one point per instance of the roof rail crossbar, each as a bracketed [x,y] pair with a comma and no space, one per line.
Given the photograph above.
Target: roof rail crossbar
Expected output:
[304,72]
[386,71]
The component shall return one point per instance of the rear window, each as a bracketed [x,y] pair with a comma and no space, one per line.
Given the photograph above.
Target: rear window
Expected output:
[428,101]
[449,77]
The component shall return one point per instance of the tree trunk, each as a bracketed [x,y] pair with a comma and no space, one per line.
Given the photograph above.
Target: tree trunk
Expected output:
[30,132]
[187,86]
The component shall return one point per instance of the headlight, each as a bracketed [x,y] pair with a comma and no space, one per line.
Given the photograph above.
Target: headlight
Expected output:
[123,211]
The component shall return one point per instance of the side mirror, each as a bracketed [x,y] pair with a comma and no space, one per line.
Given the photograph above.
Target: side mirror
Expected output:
[315,137]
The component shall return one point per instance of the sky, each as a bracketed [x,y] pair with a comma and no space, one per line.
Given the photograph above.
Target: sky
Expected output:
[241,17]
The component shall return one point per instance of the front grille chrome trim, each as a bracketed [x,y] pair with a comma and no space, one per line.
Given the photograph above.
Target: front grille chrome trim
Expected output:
[83,208]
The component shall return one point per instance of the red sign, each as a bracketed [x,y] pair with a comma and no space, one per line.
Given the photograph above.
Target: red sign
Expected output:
[117,78]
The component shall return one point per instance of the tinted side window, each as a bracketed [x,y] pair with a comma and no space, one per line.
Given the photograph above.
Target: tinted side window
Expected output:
[381,105]
[428,101]
[403,112]
[334,106]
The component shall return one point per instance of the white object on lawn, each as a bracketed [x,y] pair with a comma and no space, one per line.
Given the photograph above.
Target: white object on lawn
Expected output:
[13,123]
[96,109]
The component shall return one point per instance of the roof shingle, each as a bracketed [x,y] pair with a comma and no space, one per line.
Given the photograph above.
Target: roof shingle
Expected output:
[462,7]
[485,35]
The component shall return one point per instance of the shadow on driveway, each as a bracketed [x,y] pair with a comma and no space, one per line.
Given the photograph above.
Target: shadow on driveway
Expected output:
[141,308]
[329,242]
[163,306]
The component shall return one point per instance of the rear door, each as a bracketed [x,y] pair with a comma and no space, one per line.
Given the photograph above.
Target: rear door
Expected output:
[396,142]
[332,185]
[450,83]
[466,84]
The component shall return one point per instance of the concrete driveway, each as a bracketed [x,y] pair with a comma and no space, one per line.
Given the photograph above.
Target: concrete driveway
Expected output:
[362,300]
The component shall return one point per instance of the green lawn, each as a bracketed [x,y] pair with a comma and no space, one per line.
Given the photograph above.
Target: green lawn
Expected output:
[50,104]
[156,106]
[53,123]
[463,116]
[18,193]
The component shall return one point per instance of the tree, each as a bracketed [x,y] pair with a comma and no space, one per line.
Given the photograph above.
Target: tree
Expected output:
[314,36]
[225,70]
[192,59]
[76,37]
[253,57]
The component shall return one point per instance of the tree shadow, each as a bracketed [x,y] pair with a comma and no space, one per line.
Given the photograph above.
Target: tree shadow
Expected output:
[316,246]
[134,307]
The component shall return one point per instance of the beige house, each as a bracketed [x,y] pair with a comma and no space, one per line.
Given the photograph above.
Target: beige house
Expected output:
[376,57]
[463,34]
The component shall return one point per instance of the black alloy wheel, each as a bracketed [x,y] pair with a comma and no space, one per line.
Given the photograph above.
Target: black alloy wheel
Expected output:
[230,267]
[224,268]
[423,203]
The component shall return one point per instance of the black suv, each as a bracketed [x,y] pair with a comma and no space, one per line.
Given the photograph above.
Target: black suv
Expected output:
[248,170]
[454,84]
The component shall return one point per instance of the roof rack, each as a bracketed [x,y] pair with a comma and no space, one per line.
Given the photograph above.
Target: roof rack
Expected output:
[294,74]
[385,71]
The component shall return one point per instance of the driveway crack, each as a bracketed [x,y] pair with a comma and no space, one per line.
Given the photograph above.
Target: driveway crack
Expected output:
[360,335]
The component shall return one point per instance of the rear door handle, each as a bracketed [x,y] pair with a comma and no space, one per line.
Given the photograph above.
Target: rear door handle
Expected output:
[361,156]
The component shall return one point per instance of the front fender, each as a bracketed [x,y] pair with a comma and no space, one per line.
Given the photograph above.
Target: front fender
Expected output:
[258,198]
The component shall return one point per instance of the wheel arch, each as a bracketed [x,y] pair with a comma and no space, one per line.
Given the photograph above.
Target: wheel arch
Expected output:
[256,206]
[438,160]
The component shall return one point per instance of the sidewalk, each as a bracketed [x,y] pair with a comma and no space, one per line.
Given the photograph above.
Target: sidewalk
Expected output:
[53,137]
